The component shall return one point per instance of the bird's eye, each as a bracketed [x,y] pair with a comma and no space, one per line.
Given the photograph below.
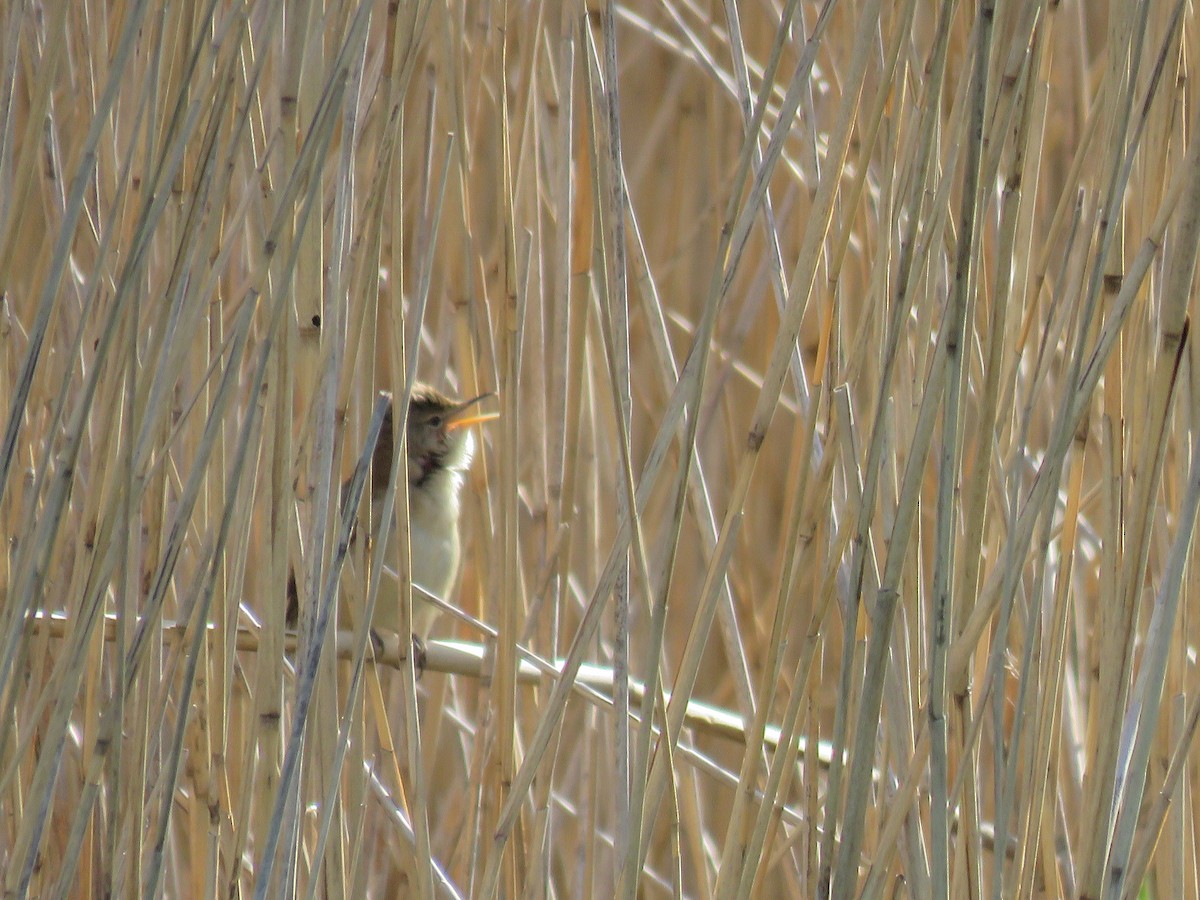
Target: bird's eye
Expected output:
[435,421]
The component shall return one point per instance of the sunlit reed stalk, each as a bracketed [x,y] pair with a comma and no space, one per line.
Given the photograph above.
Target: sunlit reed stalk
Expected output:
[834,538]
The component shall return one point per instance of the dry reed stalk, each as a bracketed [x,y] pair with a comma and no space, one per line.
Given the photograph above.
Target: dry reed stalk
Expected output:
[835,538]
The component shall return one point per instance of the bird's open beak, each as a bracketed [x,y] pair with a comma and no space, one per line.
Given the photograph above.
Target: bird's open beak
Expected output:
[461,416]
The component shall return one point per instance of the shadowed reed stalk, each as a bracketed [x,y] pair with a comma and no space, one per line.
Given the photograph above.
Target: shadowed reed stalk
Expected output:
[835,536]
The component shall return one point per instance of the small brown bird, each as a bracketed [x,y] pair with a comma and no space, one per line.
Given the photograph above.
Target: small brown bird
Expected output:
[440,448]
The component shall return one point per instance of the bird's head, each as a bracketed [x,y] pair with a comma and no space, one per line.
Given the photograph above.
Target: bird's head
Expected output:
[439,437]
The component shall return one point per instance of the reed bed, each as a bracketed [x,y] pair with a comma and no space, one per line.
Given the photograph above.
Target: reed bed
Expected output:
[835,535]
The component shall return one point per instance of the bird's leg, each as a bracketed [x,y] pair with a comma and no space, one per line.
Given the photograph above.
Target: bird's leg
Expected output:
[419,657]
[418,649]
[376,642]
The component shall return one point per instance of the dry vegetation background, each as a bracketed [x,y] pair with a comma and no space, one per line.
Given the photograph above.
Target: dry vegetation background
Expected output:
[875,313]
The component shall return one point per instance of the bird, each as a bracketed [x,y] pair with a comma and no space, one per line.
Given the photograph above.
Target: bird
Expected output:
[440,450]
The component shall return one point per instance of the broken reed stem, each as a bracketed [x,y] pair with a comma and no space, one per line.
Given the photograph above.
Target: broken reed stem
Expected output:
[462,658]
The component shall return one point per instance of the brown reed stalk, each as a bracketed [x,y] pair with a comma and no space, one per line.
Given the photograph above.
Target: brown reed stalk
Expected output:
[835,538]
